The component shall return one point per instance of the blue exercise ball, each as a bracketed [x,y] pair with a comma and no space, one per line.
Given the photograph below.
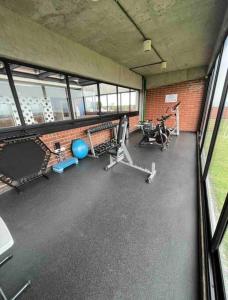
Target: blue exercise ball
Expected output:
[79,148]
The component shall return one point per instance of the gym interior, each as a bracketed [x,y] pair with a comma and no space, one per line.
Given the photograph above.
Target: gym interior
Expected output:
[114,149]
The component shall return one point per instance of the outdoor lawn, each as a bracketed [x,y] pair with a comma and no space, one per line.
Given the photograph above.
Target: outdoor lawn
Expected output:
[218,176]
[218,171]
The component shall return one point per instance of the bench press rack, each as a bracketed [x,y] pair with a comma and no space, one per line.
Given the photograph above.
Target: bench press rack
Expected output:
[98,150]
[120,153]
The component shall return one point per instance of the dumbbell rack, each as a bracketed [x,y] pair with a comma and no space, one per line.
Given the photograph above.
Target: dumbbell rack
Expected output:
[98,150]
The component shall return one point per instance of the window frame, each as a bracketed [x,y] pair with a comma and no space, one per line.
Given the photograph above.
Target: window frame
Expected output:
[216,127]
[116,93]
[214,287]
[210,261]
[205,120]
[58,125]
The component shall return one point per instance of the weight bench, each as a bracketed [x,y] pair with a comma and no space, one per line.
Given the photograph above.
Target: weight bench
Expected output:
[6,242]
[120,154]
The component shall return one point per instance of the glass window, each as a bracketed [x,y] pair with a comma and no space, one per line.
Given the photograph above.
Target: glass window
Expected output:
[42,95]
[77,99]
[223,250]
[9,116]
[217,178]
[38,112]
[134,100]
[208,99]
[123,99]
[216,100]
[84,96]
[58,97]
[108,97]
[90,96]
[104,103]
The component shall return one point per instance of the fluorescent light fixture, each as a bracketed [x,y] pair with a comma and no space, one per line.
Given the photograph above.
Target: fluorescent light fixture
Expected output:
[164,65]
[147,45]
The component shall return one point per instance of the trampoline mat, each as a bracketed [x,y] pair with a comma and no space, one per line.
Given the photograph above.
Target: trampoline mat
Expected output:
[21,160]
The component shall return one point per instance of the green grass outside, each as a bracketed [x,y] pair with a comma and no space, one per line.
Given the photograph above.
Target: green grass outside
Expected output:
[218,174]
[218,170]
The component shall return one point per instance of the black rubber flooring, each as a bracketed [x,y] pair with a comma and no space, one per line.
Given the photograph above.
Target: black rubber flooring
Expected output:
[92,234]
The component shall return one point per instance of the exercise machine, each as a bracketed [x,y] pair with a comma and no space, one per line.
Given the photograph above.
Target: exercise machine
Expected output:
[175,114]
[119,153]
[166,130]
[98,150]
[154,134]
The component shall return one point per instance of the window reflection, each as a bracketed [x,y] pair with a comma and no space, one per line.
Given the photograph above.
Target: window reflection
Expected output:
[217,179]
[108,98]
[90,95]
[216,101]
[42,95]
[223,249]
[134,95]
[9,116]
[124,99]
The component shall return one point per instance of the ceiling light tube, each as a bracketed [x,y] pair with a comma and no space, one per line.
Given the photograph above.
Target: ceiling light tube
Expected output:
[164,65]
[147,45]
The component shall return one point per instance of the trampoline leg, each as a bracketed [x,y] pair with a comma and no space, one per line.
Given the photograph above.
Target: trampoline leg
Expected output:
[5,180]
[45,176]
[22,289]
[17,189]
[5,260]
[3,294]
[28,283]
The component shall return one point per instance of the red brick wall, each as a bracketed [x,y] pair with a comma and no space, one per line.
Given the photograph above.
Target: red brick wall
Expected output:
[190,93]
[65,137]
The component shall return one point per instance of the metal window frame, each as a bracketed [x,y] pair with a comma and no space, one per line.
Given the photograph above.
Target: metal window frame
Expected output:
[211,275]
[216,240]
[204,278]
[14,93]
[214,261]
[211,102]
[117,93]
[204,108]
[53,70]
[216,126]
[69,99]
[221,44]
[59,125]
[99,98]
[221,227]
[129,99]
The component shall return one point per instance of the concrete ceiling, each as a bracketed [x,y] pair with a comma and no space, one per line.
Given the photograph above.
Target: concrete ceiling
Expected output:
[183,31]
